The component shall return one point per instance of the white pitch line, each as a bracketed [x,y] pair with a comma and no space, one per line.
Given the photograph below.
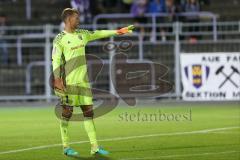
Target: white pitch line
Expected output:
[225,132]
[124,138]
[183,155]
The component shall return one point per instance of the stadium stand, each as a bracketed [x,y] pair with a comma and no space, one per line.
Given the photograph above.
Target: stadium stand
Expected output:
[46,11]
[227,10]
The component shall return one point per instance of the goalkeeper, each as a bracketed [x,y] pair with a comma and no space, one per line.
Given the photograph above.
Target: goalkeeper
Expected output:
[68,46]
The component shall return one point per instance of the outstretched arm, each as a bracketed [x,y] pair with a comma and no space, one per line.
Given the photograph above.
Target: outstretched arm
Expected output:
[98,34]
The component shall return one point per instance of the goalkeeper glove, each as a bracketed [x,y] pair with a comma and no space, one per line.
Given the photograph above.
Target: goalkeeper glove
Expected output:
[125,30]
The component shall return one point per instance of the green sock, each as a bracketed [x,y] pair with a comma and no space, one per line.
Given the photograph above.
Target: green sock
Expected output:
[91,132]
[64,133]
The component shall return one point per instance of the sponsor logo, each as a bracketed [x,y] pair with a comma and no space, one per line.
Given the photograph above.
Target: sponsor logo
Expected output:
[79,46]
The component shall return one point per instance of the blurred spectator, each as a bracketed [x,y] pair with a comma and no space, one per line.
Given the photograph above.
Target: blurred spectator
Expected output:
[138,9]
[179,5]
[156,6]
[192,6]
[83,6]
[3,43]
[170,8]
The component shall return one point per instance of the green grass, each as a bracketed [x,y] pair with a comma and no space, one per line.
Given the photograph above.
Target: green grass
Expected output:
[27,127]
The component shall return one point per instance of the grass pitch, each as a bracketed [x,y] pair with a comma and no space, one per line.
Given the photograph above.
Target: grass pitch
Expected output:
[160,131]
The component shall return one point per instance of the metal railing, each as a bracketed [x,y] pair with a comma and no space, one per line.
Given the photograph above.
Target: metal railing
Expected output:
[226,32]
[154,16]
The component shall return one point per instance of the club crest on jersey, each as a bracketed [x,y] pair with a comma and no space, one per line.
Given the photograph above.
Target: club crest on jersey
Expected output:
[80,37]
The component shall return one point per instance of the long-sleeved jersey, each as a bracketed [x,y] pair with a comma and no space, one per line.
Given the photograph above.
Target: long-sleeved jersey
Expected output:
[68,55]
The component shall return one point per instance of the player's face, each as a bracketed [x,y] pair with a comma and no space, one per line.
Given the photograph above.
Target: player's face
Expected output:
[74,21]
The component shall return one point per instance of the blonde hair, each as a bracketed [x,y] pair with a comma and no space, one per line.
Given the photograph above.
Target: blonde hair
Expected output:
[68,12]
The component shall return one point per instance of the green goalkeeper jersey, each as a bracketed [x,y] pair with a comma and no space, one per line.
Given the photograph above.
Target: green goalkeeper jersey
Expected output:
[68,55]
